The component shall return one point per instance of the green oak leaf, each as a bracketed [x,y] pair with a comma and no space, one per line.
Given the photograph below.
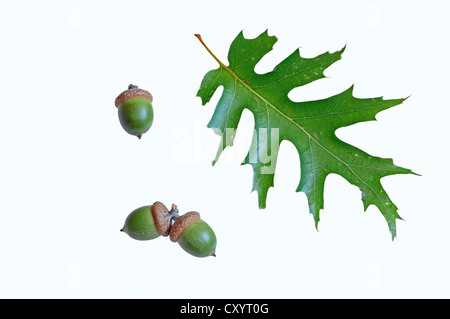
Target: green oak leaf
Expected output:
[310,125]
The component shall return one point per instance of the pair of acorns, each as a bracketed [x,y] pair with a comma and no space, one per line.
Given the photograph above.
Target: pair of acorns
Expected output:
[193,235]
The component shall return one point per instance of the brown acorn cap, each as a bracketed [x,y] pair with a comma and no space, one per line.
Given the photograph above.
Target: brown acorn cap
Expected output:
[131,94]
[181,224]
[160,215]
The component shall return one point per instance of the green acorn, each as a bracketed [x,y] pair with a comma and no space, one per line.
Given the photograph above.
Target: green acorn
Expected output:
[135,110]
[194,235]
[148,222]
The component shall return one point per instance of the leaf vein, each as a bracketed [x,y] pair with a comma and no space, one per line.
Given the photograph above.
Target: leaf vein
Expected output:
[295,73]
[342,112]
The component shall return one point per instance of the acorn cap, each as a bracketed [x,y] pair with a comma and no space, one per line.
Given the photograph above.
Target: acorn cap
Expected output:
[131,94]
[160,215]
[181,224]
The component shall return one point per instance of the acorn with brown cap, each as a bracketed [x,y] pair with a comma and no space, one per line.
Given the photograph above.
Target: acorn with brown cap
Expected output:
[135,110]
[148,222]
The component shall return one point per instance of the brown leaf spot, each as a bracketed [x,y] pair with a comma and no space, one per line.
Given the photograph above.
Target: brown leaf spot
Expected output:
[316,136]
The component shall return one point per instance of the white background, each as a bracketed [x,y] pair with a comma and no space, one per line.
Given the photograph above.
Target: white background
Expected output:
[69,174]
